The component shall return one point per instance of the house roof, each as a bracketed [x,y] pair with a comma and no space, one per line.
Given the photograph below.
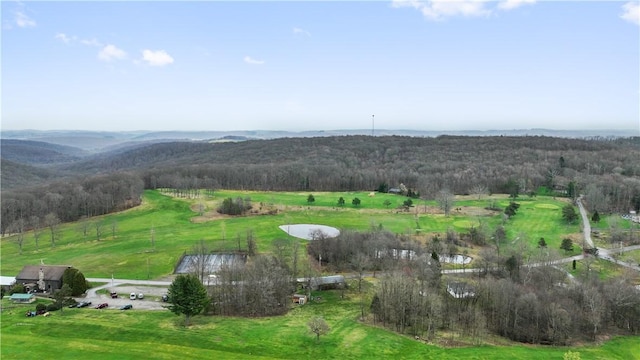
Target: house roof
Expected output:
[51,272]
[324,280]
[7,280]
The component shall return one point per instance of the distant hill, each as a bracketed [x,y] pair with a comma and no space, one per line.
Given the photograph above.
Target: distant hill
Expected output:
[15,175]
[38,152]
[99,141]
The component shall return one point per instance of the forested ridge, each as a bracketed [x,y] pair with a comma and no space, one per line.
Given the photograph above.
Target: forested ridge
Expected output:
[38,152]
[608,169]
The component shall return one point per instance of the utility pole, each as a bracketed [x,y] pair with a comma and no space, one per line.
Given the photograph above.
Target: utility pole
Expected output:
[372,124]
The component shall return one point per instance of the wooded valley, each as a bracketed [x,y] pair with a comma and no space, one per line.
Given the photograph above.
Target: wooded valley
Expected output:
[70,184]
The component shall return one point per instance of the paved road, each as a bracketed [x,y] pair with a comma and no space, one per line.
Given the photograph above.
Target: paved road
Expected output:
[605,254]
[586,225]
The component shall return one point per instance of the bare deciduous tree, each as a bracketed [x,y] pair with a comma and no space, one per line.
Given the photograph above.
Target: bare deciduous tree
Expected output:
[445,200]
[199,261]
[36,226]
[52,221]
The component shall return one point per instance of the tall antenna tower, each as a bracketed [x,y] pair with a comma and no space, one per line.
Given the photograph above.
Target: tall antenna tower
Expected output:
[372,124]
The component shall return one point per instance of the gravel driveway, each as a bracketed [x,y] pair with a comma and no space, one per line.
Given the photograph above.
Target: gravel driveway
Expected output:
[152,300]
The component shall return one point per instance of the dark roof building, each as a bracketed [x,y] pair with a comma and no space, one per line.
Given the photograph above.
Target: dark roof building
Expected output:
[323,283]
[42,277]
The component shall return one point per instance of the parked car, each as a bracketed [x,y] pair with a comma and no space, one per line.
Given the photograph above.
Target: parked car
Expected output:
[82,304]
[140,296]
[165,298]
[114,295]
[126,307]
[102,306]
[133,296]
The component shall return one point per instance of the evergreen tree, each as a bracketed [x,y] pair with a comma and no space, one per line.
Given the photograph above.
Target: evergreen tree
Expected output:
[567,245]
[187,296]
[569,214]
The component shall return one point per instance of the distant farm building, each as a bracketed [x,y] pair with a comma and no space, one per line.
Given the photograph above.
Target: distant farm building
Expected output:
[46,278]
[323,283]
[211,263]
[397,254]
[460,290]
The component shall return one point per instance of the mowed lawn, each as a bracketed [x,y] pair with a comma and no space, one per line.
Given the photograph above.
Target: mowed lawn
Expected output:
[149,240]
[174,227]
[114,334]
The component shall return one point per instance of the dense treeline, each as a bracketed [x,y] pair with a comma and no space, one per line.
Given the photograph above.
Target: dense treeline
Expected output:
[539,311]
[47,206]
[531,304]
[606,171]
[261,287]
[372,251]
[424,164]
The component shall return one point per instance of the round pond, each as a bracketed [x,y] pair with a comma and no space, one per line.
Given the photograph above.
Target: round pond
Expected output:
[309,231]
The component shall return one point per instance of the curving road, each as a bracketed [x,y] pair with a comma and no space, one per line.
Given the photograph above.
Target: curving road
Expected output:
[603,253]
[586,225]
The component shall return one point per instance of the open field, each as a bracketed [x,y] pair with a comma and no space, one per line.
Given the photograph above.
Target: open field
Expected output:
[135,334]
[170,222]
[114,334]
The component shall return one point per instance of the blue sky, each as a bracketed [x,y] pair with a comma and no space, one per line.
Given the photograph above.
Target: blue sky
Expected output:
[429,65]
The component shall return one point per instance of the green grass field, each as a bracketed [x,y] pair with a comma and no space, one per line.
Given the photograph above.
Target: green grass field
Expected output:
[114,334]
[177,227]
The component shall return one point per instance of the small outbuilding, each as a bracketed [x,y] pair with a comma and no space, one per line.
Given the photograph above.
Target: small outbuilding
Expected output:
[23,298]
[460,290]
[299,299]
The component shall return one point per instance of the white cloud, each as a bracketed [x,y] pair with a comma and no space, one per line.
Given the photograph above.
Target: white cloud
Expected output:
[439,9]
[252,61]
[74,39]
[512,4]
[298,31]
[631,12]
[63,37]
[111,52]
[24,21]
[90,42]
[156,58]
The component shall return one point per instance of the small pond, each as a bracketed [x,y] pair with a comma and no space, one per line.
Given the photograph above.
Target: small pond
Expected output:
[310,231]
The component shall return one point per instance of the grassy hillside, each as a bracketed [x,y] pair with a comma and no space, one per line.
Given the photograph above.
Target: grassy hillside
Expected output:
[177,226]
[114,334]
